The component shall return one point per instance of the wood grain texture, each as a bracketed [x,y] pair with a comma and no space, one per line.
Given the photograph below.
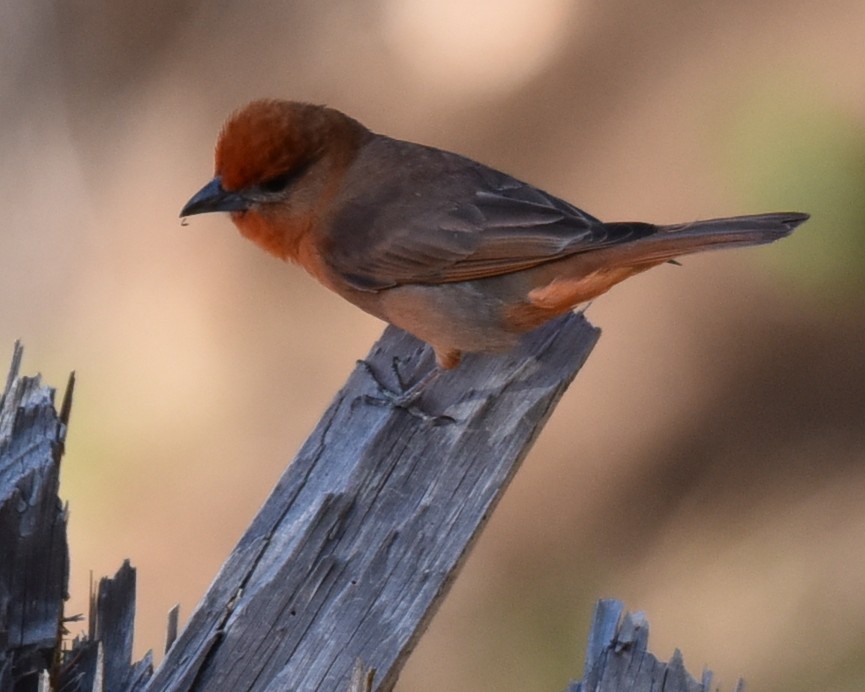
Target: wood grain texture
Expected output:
[618,659]
[362,536]
[103,659]
[34,557]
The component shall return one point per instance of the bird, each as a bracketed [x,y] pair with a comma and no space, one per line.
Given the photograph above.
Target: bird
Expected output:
[462,256]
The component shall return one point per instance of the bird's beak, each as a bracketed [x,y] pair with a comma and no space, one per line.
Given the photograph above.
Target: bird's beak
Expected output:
[213,197]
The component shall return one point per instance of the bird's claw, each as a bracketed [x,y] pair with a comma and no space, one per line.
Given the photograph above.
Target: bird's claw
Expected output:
[403,386]
[398,401]
[406,397]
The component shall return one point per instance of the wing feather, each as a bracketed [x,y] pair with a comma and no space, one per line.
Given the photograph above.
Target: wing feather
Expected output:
[449,219]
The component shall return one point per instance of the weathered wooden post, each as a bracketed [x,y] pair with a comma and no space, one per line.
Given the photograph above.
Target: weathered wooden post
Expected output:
[339,574]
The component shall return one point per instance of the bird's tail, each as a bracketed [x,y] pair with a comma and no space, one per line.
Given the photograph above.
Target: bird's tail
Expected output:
[663,243]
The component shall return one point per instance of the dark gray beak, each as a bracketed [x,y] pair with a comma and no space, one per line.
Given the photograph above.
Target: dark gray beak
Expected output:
[213,197]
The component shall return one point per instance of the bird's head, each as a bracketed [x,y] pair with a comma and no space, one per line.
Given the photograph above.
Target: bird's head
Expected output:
[275,162]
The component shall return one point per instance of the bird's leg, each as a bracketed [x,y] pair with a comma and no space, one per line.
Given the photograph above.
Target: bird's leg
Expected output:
[395,362]
[405,397]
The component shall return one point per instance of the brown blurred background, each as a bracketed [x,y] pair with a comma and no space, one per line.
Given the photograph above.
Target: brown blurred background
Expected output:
[708,464]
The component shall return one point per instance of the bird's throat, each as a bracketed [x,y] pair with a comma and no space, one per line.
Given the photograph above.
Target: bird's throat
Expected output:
[284,239]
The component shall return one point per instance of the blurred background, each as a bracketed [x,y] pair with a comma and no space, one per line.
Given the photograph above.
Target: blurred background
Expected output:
[708,464]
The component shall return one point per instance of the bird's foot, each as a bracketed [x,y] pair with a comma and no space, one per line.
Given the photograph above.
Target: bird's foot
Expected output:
[406,396]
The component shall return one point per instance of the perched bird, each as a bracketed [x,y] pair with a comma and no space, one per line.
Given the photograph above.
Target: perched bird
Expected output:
[462,256]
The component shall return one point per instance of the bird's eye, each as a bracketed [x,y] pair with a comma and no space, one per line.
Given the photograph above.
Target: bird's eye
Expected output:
[277,183]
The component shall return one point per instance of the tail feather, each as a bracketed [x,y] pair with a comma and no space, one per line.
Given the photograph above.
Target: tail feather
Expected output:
[669,242]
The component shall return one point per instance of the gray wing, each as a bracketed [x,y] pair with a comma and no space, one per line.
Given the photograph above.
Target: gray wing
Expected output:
[444,218]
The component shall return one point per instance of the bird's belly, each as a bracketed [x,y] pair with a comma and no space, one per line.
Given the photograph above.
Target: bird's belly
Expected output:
[451,317]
